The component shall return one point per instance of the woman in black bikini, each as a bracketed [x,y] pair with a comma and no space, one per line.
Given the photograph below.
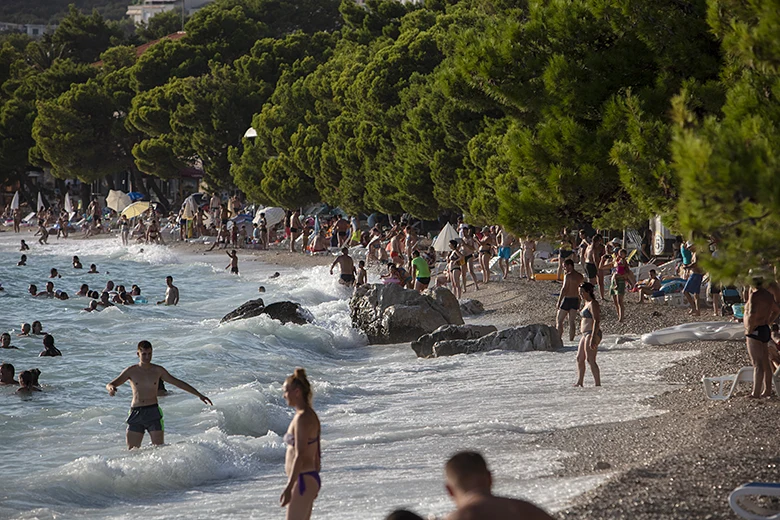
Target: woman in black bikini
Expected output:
[454,265]
[469,249]
[302,461]
[485,252]
[590,327]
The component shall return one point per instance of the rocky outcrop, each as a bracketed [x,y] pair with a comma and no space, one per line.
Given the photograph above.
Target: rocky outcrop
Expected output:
[250,309]
[286,312]
[471,307]
[423,347]
[519,339]
[390,314]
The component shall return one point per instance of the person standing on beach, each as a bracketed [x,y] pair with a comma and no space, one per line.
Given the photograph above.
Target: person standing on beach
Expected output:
[215,208]
[302,460]
[17,221]
[486,245]
[296,228]
[693,284]
[468,248]
[505,241]
[569,298]
[593,255]
[761,309]
[171,293]
[469,483]
[145,413]
[420,272]
[590,327]
[527,268]
[347,266]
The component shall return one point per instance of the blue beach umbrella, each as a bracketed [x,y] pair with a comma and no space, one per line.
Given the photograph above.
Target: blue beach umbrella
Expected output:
[134,196]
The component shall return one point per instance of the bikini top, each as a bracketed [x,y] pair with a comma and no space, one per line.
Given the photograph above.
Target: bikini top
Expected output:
[621,268]
[585,313]
[289,439]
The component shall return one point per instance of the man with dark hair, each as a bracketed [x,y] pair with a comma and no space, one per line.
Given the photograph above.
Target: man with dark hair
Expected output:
[171,293]
[145,413]
[469,483]
[347,266]
[569,299]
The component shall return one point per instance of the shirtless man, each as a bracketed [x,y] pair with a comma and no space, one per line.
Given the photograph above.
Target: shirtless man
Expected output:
[7,371]
[396,249]
[505,241]
[649,286]
[171,293]
[593,254]
[145,413]
[469,483]
[761,309]
[341,227]
[569,299]
[233,265]
[347,266]
[26,383]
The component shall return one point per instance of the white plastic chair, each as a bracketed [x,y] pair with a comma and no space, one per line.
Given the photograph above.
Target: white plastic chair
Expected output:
[722,387]
[753,490]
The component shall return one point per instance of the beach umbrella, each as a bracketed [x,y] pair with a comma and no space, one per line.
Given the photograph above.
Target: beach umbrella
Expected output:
[41,206]
[272,216]
[135,209]
[15,201]
[117,200]
[134,196]
[442,242]
[251,132]
[240,219]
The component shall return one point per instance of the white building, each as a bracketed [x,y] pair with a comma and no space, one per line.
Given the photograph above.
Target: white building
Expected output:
[143,11]
[30,29]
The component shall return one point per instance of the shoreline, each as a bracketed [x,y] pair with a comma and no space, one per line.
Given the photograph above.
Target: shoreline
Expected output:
[682,463]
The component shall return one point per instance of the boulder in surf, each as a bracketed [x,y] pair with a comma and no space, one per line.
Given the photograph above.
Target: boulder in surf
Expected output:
[518,339]
[423,347]
[286,312]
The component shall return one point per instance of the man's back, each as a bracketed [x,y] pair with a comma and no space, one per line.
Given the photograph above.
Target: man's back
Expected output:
[498,508]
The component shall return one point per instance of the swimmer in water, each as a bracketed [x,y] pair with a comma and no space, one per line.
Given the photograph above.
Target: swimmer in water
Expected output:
[24,247]
[171,293]
[37,328]
[49,293]
[93,306]
[26,383]
[83,291]
[49,350]
[54,273]
[261,289]
[145,413]
[22,261]
[5,341]
[33,290]
[26,329]
[93,269]
[7,371]
[233,265]
[76,263]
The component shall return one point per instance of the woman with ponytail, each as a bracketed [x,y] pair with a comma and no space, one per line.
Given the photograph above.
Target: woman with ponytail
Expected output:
[590,327]
[302,461]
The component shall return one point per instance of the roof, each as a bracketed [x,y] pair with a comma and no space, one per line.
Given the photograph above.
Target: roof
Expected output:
[145,47]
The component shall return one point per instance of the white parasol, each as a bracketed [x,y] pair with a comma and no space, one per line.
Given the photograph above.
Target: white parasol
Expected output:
[118,200]
[190,209]
[68,206]
[442,242]
[40,206]
[272,216]
[15,201]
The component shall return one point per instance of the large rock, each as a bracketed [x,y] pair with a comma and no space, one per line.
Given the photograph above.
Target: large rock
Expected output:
[471,307]
[423,347]
[286,312]
[249,309]
[390,314]
[519,339]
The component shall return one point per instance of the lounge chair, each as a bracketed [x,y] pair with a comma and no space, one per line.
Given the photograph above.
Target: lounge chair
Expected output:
[754,490]
[722,387]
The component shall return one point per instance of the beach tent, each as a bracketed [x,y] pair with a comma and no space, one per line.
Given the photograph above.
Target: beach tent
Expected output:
[117,200]
[40,206]
[15,201]
[272,216]
[442,242]
[135,209]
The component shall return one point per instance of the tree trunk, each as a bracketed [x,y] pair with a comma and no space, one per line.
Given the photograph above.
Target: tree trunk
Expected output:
[151,186]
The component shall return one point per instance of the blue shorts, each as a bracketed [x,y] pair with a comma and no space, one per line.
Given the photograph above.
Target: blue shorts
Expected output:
[693,285]
[504,252]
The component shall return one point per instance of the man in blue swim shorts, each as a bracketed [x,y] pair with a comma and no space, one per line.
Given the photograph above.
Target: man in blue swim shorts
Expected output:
[505,241]
[145,414]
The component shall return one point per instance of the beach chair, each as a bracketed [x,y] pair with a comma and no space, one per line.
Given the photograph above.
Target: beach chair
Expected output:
[722,387]
[748,494]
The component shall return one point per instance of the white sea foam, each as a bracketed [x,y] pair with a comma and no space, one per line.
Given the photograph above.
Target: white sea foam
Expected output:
[389,420]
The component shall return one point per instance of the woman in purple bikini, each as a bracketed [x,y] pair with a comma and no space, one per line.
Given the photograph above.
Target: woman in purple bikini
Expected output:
[302,461]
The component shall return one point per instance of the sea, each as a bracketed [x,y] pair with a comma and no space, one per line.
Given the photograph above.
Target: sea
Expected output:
[389,420]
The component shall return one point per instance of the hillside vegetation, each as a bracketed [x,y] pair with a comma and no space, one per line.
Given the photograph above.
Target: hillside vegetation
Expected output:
[51,11]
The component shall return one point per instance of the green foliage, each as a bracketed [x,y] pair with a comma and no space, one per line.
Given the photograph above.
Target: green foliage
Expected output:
[84,37]
[161,24]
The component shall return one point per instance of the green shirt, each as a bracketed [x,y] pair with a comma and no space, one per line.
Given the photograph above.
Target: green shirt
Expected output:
[423,271]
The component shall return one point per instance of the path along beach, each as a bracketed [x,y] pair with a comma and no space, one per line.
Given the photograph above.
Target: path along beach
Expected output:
[646,445]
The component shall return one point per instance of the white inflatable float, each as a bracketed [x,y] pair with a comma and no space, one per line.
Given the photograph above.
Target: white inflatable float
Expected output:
[699,331]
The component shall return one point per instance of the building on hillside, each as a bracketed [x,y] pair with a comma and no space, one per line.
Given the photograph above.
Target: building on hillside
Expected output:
[142,11]
[33,30]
